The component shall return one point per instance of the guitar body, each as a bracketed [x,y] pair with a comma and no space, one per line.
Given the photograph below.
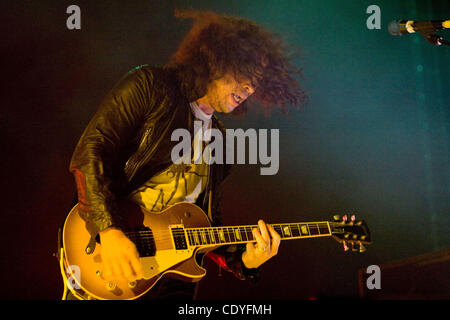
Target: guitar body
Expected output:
[160,256]
[168,242]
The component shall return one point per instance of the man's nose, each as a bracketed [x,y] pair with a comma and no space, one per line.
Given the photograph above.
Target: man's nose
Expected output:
[246,91]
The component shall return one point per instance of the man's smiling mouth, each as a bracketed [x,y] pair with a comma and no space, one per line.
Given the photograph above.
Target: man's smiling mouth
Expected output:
[236,98]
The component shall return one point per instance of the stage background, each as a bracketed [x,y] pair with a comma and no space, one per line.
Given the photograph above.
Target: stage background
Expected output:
[373,139]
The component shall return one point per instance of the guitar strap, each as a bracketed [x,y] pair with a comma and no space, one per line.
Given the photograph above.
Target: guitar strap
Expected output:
[90,248]
[209,206]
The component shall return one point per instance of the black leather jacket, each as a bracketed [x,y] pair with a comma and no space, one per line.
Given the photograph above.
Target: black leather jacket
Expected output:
[128,141]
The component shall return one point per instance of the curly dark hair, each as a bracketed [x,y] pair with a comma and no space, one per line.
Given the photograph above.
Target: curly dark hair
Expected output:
[218,44]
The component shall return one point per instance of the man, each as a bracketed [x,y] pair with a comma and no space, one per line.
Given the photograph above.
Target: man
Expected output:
[125,151]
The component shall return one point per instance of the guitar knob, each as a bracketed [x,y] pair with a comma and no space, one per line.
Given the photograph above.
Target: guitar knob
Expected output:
[131,284]
[111,286]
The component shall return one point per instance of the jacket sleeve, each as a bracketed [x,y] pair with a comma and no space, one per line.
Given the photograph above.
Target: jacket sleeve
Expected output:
[117,121]
[229,258]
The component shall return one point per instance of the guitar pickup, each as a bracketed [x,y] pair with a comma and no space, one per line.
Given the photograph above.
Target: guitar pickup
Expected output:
[179,238]
[143,239]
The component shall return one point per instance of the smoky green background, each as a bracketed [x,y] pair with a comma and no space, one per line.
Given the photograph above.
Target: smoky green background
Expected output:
[372,141]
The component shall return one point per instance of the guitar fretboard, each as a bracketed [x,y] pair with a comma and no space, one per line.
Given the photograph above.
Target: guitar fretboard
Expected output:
[243,234]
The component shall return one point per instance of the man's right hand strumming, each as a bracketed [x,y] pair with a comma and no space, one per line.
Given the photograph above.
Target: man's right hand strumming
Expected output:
[120,256]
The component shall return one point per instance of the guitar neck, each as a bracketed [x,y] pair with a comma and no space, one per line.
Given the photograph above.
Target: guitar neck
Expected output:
[204,237]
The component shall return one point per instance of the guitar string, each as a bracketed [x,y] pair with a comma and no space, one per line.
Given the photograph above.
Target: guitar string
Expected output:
[213,236]
[229,230]
[221,230]
[217,239]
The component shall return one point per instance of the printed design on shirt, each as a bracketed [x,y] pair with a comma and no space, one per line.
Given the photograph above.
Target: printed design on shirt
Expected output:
[176,171]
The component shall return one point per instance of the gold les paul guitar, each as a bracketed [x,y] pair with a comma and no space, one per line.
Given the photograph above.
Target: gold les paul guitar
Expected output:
[168,242]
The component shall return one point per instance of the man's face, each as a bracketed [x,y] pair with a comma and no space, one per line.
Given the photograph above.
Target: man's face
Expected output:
[226,93]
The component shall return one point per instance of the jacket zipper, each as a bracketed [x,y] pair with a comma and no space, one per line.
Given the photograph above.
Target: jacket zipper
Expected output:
[145,155]
[144,137]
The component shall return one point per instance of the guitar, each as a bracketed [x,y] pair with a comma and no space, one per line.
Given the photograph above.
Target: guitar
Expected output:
[168,242]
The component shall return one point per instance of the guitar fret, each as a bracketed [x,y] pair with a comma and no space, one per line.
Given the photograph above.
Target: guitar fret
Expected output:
[323,228]
[295,230]
[227,234]
[243,233]
[203,237]
[248,233]
[211,236]
[232,235]
[286,231]
[313,229]
[196,238]
[282,231]
[277,228]
[191,237]
[199,236]
[304,230]
[216,235]
[237,233]
[221,235]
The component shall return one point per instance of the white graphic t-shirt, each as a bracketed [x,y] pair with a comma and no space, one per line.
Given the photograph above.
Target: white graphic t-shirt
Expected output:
[179,182]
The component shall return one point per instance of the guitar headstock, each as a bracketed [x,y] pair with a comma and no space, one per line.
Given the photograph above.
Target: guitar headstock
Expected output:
[352,233]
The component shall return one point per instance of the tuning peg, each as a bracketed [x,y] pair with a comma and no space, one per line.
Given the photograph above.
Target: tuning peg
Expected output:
[352,217]
[346,248]
[344,218]
[362,248]
[336,217]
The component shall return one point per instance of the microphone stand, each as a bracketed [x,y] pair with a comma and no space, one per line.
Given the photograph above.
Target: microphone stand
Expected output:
[434,38]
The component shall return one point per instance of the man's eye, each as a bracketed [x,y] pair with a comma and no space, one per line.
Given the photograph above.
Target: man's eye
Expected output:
[249,89]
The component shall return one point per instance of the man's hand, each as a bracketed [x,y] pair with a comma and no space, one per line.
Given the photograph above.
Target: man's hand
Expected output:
[120,256]
[267,243]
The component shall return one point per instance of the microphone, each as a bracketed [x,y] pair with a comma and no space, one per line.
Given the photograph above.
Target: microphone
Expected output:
[401,27]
